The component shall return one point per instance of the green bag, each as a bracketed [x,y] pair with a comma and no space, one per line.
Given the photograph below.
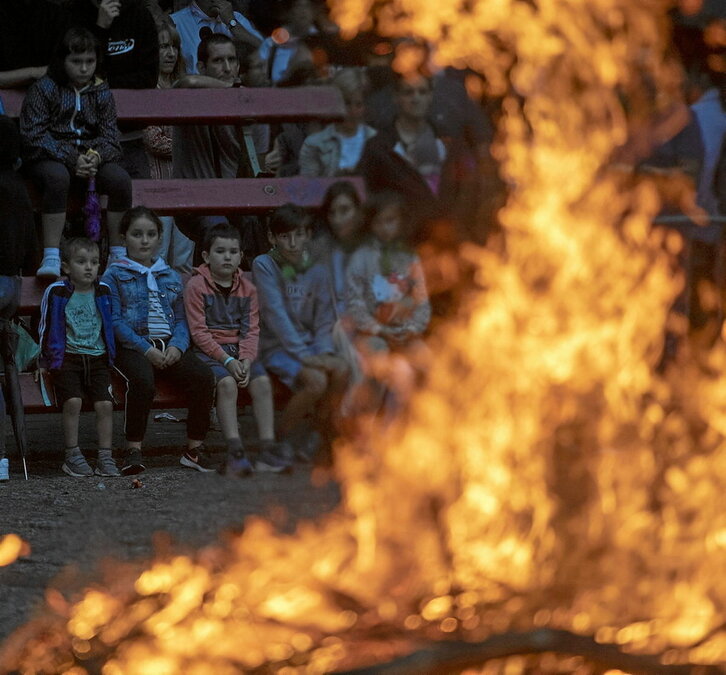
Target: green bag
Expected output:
[28,349]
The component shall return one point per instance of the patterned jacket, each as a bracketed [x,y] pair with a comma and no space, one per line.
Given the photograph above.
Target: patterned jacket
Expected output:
[59,122]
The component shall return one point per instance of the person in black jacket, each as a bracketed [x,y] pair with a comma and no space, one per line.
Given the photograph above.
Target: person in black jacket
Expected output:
[16,232]
[128,31]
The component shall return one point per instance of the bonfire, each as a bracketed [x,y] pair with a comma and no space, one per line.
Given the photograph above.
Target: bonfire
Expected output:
[548,502]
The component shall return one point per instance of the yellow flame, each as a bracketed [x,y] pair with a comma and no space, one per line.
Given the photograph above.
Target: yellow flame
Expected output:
[545,476]
[11,548]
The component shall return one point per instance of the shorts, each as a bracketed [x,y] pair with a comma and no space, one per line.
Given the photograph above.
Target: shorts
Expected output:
[83,376]
[220,372]
[285,366]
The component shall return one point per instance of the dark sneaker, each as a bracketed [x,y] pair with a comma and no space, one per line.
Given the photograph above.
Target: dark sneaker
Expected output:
[266,459]
[133,463]
[105,466]
[198,459]
[237,466]
[284,451]
[308,446]
[77,466]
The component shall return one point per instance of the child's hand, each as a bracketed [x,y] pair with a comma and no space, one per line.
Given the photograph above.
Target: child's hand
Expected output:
[238,371]
[85,167]
[38,373]
[156,356]
[108,10]
[171,356]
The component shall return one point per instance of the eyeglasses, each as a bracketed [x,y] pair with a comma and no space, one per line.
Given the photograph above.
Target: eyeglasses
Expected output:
[423,91]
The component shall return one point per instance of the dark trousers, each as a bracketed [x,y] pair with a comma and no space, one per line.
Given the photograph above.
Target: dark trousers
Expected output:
[55,182]
[192,376]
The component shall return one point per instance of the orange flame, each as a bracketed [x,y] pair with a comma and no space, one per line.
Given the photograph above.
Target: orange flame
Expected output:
[544,476]
[11,548]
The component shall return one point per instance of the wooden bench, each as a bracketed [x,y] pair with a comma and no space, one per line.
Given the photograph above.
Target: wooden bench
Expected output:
[222,106]
[201,196]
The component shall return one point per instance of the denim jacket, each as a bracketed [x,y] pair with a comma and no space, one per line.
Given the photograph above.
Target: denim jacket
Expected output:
[130,303]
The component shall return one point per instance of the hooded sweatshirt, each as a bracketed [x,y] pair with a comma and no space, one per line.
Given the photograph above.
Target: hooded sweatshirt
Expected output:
[218,320]
[296,313]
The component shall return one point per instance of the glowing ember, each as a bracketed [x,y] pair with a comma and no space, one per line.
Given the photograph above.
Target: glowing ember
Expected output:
[11,548]
[544,477]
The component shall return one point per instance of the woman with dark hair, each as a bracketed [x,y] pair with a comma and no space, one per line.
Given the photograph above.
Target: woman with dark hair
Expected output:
[341,218]
[69,133]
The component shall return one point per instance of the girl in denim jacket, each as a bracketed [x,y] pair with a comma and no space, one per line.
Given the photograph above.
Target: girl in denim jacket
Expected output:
[152,336]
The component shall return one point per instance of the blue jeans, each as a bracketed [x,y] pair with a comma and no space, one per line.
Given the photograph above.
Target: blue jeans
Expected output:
[9,300]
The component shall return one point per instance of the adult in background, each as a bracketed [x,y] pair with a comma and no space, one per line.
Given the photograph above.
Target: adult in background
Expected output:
[218,16]
[16,216]
[410,158]
[127,32]
[175,248]
[211,151]
[336,150]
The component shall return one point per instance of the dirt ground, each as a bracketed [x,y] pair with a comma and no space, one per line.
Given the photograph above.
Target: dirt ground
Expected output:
[73,523]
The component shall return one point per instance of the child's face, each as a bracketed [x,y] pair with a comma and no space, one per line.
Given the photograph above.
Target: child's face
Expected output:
[82,268]
[224,257]
[142,240]
[80,68]
[386,224]
[291,245]
[344,217]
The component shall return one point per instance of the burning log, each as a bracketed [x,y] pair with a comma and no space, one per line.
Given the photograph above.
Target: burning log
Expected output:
[454,657]
[546,478]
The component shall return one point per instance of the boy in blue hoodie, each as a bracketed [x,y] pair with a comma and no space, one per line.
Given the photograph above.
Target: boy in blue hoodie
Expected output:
[296,328]
[77,346]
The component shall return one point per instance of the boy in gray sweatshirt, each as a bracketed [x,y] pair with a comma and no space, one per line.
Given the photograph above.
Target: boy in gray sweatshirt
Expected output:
[296,329]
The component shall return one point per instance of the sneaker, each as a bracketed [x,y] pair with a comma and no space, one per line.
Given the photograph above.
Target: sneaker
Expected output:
[237,466]
[267,460]
[198,459]
[105,466]
[77,466]
[50,268]
[284,451]
[133,463]
[4,470]
[308,447]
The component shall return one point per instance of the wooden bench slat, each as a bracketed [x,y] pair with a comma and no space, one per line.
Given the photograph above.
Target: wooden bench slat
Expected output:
[232,195]
[215,106]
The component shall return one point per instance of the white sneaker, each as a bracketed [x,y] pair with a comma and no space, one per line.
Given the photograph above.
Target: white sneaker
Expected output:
[4,470]
[50,268]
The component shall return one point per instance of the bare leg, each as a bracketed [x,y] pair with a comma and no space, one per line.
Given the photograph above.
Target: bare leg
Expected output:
[312,386]
[104,423]
[113,219]
[53,224]
[70,418]
[263,407]
[227,407]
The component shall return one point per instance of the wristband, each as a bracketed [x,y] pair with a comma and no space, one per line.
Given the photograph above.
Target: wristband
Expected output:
[227,360]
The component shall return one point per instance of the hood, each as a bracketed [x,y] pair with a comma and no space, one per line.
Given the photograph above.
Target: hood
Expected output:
[204,271]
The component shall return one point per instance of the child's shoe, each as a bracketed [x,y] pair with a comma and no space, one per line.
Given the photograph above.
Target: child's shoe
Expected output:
[4,470]
[50,268]
[238,466]
[105,466]
[267,459]
[76,465]
[198,459]
[133,462]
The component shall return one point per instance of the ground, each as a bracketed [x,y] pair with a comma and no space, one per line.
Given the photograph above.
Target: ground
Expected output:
[72,523]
